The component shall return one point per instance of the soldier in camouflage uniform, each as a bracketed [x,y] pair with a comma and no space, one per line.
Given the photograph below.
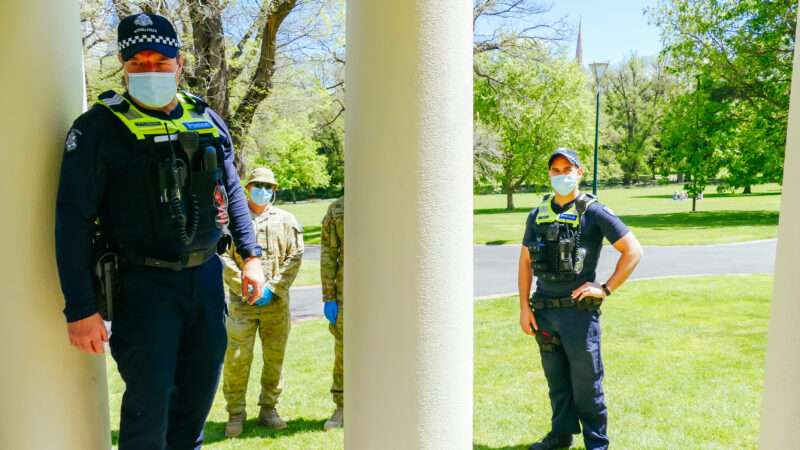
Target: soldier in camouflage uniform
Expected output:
[332,274]
[281,239]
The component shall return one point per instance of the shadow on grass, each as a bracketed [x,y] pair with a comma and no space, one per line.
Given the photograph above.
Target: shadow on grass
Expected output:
[215,431]
[513,447]
[485,211]
[717,195]
[702,219]
[312,232]
[498,242]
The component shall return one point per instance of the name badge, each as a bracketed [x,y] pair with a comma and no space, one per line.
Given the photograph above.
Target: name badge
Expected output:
[566,216]
[197,125]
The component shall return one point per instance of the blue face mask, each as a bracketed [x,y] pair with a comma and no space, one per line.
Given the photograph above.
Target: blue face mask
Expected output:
[261,196]
[153,89]
[564,184]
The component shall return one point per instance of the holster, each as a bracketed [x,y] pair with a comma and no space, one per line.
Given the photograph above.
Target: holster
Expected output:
[106,277]
[547,342]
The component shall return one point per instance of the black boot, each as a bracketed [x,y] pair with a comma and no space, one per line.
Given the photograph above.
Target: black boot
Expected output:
[552,442]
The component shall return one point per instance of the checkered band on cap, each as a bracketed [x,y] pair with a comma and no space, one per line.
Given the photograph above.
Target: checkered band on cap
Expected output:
[133,40]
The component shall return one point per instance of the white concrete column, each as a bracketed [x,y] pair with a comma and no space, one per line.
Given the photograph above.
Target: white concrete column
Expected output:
[51,396]
[780,415]
[408,269]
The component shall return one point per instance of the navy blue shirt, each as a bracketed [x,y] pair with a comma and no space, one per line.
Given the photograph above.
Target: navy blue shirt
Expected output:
[91,143]
[597,222]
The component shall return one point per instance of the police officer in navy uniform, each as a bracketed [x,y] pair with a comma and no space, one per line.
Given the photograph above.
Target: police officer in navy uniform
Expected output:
[152,169]
[562,244]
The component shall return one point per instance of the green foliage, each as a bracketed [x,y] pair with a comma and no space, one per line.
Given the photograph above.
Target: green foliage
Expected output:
[742,52]
[290,130]
[291,153]
[695,131]
[532,102]
[635,96]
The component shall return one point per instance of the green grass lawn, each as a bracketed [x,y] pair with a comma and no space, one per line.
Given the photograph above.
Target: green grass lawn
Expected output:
[649,211]
[309,273]
[309,214]
[652,215]
[684,363]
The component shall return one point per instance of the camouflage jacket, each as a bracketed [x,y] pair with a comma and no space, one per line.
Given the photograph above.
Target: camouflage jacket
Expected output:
[332,252]
[281,238]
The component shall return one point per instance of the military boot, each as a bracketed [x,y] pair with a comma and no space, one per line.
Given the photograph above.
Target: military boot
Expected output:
[552,442]
[336,420]
[269,418]
[235,425]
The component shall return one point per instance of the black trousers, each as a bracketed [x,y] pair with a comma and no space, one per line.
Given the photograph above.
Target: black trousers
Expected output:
[574,372]
[168,339]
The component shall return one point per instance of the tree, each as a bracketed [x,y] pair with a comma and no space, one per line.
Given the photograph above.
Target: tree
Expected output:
[694,134]
[292,154]
[742,50]
[637,91]
[534,105]
[507,25]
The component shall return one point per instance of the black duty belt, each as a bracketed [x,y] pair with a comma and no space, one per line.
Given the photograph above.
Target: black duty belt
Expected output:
[187,260]
[588,303]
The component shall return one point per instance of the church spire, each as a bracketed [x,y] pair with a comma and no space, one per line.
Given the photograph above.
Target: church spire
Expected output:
[579,48]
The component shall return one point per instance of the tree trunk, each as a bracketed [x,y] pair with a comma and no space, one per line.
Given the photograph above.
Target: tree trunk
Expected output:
[626,179]
[260,85]
[748,189]
[680,177]
[510,199]
[210,77]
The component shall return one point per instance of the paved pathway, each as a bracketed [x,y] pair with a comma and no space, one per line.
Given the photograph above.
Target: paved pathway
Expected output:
[496,267]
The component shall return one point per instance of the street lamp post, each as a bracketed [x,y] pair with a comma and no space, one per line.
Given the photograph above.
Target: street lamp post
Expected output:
[599,70]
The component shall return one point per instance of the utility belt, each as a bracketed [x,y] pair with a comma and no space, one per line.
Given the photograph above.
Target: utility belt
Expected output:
[185,261]
[587,304]
[107,264]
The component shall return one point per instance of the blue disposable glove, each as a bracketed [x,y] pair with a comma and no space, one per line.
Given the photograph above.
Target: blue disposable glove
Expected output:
[265,298]
[331,311]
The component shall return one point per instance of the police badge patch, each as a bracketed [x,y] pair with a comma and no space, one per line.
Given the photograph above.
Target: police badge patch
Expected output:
[72,139]
[143,20]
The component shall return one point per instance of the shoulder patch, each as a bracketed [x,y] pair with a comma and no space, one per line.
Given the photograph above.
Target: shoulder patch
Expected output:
[72,139]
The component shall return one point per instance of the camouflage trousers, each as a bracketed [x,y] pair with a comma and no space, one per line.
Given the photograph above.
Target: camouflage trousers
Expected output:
[272,323]
[337,388]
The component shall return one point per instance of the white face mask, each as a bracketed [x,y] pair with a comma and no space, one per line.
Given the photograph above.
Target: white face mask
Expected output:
[153,89]
[564,184]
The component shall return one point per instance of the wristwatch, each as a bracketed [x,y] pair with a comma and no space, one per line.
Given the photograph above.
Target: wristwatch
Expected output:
[606,289]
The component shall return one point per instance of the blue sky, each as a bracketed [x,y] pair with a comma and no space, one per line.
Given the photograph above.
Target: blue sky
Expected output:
[612,29]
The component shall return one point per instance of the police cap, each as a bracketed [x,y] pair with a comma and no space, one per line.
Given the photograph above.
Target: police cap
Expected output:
[571,155]
[147,32]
